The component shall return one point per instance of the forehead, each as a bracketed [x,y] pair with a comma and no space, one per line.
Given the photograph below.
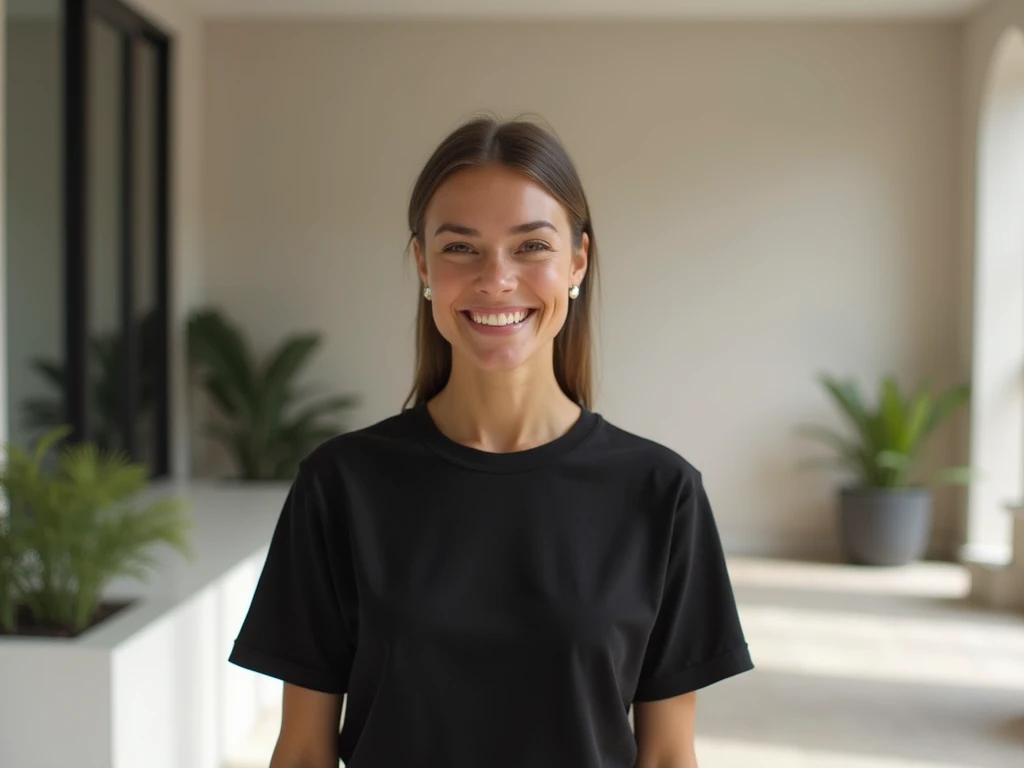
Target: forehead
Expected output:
[493,197]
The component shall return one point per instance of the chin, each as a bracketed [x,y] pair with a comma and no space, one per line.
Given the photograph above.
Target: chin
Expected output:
[495,360]
[497,363]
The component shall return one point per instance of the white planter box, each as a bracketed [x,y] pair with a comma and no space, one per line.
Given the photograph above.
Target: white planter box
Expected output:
[151,687]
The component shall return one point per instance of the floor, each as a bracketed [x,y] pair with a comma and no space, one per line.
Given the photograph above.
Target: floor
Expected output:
[856,668]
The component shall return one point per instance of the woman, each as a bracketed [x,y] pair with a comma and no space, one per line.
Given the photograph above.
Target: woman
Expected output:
[495,575]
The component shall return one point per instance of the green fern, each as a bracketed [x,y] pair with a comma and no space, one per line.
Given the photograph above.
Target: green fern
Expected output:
[264,427]
[889,437]
[73,525]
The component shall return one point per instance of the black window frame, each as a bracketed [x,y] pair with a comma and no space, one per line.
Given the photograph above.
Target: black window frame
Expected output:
[134,28]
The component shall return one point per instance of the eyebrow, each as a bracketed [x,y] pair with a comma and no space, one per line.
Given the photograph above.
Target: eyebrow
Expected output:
[519,229]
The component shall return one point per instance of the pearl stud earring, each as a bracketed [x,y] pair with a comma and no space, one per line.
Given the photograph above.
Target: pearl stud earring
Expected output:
[426,293]
[574,291]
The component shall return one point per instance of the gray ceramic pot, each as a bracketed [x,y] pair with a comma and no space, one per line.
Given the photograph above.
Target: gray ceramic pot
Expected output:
[884,526]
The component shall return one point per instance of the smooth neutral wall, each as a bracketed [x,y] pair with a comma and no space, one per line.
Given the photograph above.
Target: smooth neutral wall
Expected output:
[771,201]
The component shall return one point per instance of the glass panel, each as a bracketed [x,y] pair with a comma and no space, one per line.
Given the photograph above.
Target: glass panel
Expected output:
[34,228]
[145,253]
[104,227]
[34,128]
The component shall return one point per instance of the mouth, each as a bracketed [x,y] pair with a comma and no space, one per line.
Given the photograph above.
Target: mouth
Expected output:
[508,318]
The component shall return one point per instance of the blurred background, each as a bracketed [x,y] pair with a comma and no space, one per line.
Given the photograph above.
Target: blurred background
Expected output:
[811,221]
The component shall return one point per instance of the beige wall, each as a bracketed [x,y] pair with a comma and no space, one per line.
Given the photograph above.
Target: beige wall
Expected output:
[770,200]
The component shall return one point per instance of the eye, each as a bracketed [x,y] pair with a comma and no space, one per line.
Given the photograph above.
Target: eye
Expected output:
[536,245]
[457,248]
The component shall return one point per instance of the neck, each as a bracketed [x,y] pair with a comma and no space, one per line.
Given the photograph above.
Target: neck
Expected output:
[503,411]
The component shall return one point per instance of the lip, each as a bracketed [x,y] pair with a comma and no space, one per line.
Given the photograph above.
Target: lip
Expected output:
[497,310]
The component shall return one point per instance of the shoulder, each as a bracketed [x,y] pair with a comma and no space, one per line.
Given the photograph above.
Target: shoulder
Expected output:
[385,441]
[635,453]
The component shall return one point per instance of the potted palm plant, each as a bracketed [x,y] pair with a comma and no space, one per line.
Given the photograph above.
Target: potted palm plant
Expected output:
[264,423]
[73,523]
[885,513]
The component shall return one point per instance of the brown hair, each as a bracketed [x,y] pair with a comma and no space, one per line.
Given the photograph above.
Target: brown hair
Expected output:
[535,152]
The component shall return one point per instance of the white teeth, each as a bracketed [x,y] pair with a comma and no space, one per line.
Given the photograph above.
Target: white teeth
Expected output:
[502,318]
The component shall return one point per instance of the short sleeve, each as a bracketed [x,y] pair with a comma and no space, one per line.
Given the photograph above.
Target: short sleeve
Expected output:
[296,628]
[697,639]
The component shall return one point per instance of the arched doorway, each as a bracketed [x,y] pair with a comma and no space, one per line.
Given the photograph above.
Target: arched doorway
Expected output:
[997,410]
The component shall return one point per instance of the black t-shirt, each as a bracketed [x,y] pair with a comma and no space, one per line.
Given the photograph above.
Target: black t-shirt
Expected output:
[493,609]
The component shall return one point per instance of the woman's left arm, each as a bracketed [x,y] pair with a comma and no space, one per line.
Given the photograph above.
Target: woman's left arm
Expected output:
[664,732]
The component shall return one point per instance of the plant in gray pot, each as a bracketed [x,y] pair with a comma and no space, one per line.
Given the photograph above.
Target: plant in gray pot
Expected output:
[266,422]
[885,513]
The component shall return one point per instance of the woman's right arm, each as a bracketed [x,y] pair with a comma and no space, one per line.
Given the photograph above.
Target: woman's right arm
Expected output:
[309,729]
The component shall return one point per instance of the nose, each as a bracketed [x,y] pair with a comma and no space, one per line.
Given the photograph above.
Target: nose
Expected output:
[497,275]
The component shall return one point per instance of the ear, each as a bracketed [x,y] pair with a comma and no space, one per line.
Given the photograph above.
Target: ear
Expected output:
[421,261]
[580,261]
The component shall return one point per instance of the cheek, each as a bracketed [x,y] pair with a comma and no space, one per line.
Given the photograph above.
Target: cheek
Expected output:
[548,282]
[446,281]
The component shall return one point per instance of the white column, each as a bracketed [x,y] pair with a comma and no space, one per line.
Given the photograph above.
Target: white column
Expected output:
[3,237]
[993,272]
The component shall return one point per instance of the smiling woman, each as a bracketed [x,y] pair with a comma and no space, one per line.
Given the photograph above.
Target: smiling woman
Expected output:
[513,251]
[496,574]
[503,202]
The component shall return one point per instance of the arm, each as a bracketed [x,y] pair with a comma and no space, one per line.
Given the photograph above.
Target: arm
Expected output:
[309,729]
[664,732]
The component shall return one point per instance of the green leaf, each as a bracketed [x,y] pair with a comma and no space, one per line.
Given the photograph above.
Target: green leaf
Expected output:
[949,402]
[890,437]
[47,443]
[74,525]
[892,434]
[219,348]
[51,371]
[829,437]
[277,385]
[267,426]
[237,442]
[954,476]
[288,360]
[893,460]
[849,400]
[921,407]
[231,400]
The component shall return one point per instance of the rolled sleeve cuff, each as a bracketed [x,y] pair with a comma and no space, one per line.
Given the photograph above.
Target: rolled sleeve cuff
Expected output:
[287,671]
[696,677]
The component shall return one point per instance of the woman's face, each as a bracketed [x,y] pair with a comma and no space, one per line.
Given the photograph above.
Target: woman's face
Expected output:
[498,256]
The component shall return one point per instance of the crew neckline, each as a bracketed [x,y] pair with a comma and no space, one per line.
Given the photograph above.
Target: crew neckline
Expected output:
[512,461]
